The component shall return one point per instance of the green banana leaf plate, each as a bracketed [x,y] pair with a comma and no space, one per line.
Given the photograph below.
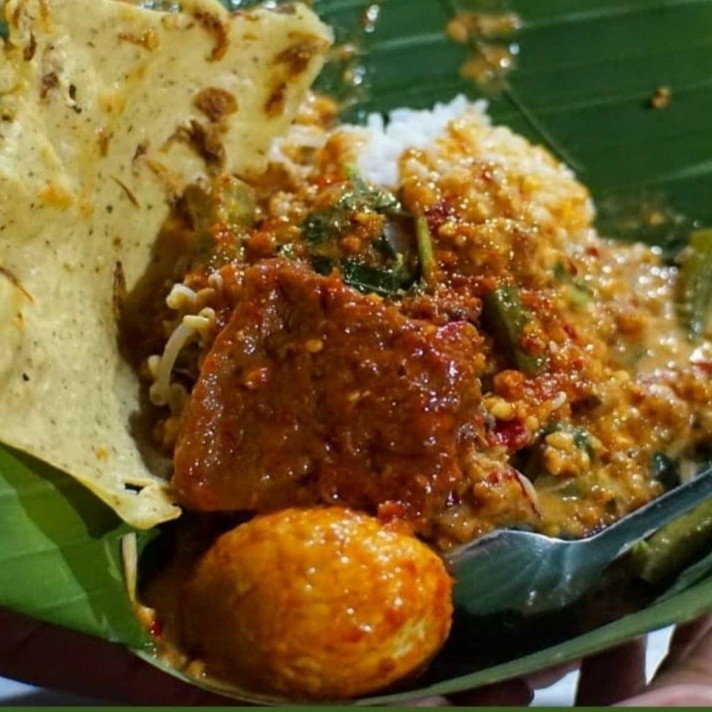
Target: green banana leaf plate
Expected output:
[587,79]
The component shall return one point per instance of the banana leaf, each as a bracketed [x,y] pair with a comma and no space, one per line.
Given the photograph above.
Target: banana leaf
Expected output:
[586,75]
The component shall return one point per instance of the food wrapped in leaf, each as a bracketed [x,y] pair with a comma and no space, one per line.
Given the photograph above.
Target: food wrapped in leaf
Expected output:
[417,321]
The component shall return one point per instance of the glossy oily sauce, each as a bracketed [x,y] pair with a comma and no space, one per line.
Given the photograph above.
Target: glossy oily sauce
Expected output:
[457,350]
[314,392]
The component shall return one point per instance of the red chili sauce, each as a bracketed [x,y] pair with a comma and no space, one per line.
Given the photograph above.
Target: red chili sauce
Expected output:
[314,392]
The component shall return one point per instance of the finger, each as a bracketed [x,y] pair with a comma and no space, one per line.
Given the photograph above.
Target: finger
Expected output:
[613,675]
[60,659]
[515,693]
[689,664]
[683,640]
[546,678]
[673,696]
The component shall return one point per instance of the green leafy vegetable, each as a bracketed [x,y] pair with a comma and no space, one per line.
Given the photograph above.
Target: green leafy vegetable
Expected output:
[371,279]
[579,295]
[367,279]
[696,283]
[320,227]
[362,196]
[668,551]
[228,209]
[665,470]
[581,437]
[381,269]
[356,196]
[507,317]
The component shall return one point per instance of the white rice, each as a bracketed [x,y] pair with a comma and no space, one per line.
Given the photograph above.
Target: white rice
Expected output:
[382,140]
[386,139]
[543,191]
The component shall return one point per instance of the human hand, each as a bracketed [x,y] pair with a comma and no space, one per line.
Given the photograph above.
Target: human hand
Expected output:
[60,659]
[617,676]
[684,678]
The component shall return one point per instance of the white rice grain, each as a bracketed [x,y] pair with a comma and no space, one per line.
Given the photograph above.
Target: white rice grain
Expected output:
[387,138]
